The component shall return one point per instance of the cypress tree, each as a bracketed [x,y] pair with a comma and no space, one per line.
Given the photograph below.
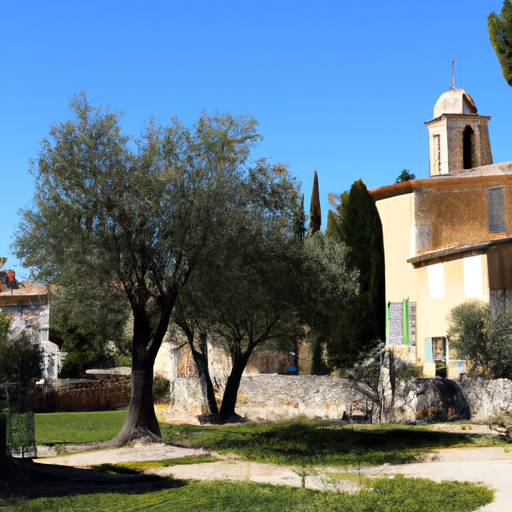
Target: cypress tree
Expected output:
[315,214]
[500,34]
[358,225]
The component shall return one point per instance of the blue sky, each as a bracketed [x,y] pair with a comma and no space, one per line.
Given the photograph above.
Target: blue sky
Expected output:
[337,86]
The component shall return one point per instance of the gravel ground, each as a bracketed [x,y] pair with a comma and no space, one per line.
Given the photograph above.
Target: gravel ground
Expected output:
[489,466]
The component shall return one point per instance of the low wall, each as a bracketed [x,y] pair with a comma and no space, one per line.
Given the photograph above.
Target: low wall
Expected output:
[488,399]
[270,397]
[99,394]
[273,397]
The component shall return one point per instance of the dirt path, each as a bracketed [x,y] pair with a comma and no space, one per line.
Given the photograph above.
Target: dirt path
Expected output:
[227,469]
[490,466]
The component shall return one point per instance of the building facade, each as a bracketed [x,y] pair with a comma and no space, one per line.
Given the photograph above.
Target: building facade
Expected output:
[447,238]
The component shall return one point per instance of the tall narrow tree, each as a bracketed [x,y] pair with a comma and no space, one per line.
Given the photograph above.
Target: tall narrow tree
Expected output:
[500,34]
[315,214]
[357,224]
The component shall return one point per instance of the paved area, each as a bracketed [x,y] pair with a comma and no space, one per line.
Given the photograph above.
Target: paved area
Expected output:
[490,466]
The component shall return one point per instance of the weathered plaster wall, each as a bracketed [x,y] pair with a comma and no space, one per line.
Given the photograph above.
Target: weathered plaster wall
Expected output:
[452,212]
[398,227]
[29,310]
[481,147]
[446,142]
[436,299]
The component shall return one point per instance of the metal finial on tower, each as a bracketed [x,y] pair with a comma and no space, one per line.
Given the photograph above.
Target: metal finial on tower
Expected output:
[453,76]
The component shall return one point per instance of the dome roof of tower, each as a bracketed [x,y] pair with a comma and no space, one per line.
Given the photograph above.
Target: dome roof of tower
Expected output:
[455,101]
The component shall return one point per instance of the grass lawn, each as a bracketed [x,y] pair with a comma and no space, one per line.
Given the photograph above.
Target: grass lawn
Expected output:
[77,427]
[303,442]
[396,495]
[294,442]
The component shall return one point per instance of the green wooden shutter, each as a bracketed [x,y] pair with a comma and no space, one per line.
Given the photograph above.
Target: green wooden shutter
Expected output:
[405,321]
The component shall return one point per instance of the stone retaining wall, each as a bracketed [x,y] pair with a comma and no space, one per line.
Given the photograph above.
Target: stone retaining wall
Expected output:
[488,399]
[273,397]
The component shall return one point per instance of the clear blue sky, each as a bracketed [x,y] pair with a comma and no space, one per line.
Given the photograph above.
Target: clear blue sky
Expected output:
[343,87]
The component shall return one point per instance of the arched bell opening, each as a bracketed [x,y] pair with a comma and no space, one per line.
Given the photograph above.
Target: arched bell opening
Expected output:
[468,148]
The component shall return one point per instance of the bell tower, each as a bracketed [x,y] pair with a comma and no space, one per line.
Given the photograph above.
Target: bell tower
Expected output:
[458,135]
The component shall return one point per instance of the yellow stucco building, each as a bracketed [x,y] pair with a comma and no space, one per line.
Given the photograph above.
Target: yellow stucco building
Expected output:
[447,238]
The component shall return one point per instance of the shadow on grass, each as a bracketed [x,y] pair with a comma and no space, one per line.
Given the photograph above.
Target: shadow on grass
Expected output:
[25,479]
[306,441]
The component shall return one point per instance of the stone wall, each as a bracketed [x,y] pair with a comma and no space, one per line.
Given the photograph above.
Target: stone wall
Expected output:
[273,397]
[100,394]
[488,399]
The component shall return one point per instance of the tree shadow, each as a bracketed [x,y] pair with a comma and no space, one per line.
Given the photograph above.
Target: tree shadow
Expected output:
[29,480]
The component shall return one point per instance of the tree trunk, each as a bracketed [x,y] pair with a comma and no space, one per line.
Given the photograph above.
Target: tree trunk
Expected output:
[201,360]
[232,385]
[141,422]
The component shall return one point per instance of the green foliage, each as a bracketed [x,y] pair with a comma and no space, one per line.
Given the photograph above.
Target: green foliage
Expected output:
[5,323]
[338,203]
[482,336]
[21,433]
[245,293]
[405,175]
[141,220]
[315,215]
[88,321]
[20,358]
[318,361]
[161,389]
[407,371]
[77,427]
[362,322]
[329,286]
[399,494]
[500,34]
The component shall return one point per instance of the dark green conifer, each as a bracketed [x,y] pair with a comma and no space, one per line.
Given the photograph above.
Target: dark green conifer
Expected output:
[357,224]
[500,34]
[315,214]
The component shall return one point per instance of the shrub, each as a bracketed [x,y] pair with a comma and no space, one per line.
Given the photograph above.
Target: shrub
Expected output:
[161,389]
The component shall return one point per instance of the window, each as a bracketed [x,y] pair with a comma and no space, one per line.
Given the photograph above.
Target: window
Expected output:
[496,209]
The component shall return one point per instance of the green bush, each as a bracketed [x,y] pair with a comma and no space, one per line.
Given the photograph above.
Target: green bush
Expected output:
[407,372]
[161,389]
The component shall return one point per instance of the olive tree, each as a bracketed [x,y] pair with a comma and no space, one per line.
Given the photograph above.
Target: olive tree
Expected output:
[89,322]
[248,291]
[483,336]
[139,215]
